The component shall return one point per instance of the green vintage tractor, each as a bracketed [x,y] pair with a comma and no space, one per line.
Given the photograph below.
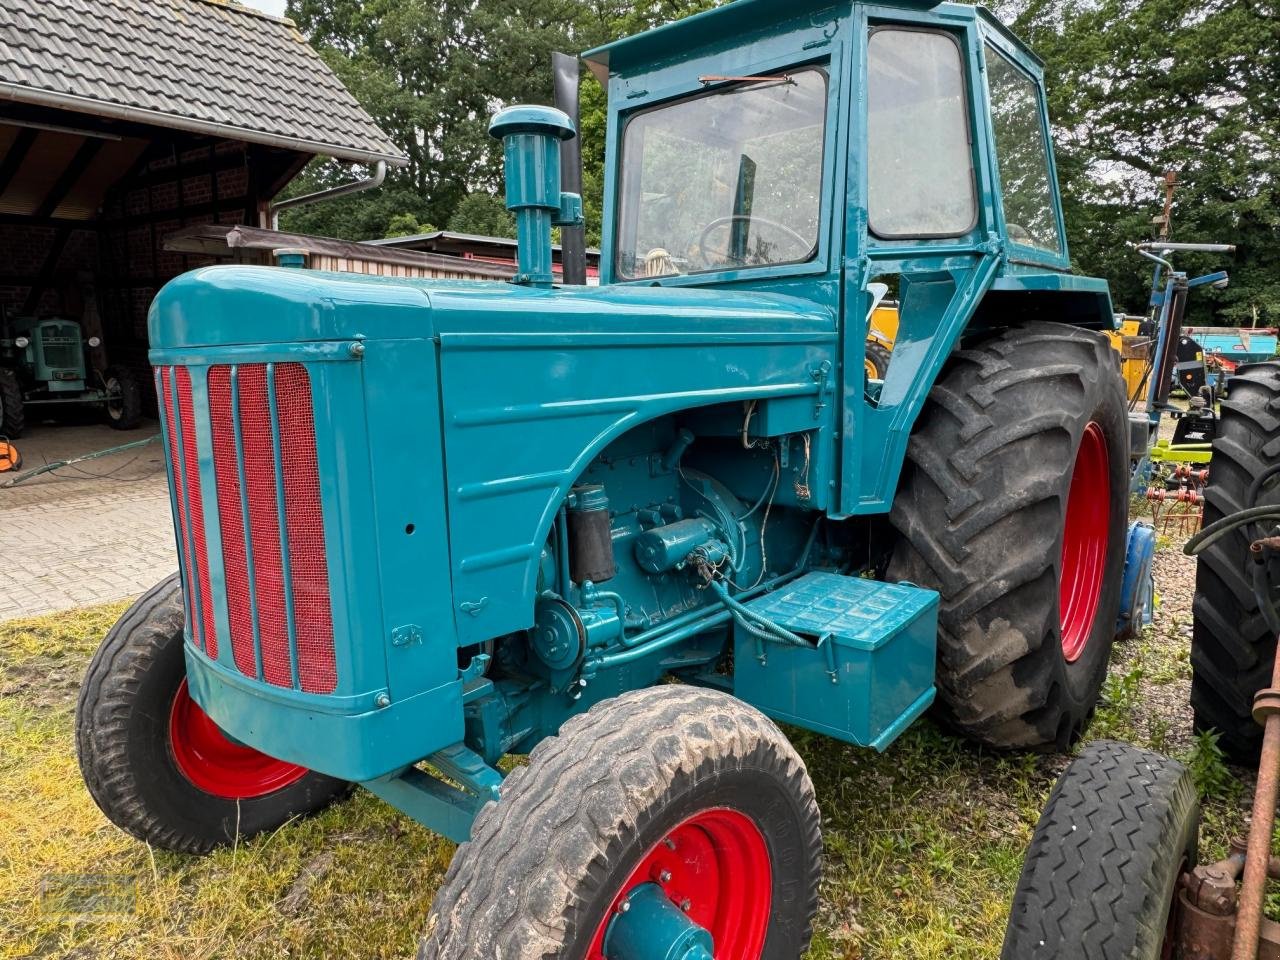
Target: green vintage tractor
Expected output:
[44,364]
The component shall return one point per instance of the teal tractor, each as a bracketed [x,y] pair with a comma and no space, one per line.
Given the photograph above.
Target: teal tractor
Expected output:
[424,525]
[44,368]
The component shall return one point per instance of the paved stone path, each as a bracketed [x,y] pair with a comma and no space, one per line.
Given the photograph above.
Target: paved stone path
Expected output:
[87,534]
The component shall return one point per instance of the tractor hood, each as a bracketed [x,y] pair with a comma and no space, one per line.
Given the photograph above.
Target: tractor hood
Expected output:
[365,471]
[238,305]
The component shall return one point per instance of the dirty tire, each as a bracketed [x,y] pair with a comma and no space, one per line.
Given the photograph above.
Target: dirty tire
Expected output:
[544,865]
[981,511]
[1100,874]
[877,360]
[122,738]
[13,419]
[1232,649]
[126,412]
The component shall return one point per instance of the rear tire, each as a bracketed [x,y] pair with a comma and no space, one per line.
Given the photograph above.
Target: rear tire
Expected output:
[1101,873]
[13,419]
[133,699]
[1232,648]
[632,787]
[984,509]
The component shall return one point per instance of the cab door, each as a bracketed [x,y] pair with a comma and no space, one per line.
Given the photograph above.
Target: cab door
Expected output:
[921,221]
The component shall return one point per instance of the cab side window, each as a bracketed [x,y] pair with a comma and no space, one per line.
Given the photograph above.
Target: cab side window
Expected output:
[1022,153]
[920,178]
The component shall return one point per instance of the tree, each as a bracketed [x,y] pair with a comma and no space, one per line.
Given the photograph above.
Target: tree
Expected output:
[1138,87]
[485,214]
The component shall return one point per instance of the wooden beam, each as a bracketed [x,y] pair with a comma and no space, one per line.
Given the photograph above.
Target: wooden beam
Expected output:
[17,153]
[74,169]
[50,267]
[24,220]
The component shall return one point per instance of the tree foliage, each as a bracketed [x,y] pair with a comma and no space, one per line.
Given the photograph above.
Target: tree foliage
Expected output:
[1136,87]
[1139,87]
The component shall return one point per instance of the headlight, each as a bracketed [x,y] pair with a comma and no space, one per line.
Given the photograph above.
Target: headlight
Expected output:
[95,341]
[21,343]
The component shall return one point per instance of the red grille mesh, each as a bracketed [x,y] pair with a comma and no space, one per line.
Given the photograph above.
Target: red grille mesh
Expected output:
[191,471]
[304,526]
[235,558]
[164,391]
[186,479]
[257,454]
[308,571]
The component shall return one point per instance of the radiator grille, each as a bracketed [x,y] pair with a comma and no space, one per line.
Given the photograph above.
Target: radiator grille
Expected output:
[270,522]
[173,389]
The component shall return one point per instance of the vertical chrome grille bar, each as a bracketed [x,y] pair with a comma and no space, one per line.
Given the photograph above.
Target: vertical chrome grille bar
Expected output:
[192,580]
[282,523]
[244,516]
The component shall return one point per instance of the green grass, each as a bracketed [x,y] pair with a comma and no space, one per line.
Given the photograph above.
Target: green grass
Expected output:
[923,844]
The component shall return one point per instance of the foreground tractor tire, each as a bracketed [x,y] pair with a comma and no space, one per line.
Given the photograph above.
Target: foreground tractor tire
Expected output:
[1232,648]
[124,398]
[1013,506]
[1101,873]
[13,418]
[155,763]
[687,789]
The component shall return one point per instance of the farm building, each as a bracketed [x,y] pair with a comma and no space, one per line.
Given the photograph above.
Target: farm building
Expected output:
[122,121]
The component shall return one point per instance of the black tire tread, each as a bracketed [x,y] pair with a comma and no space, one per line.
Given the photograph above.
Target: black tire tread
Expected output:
[1232,648]
[880,357]
[978,514]
[581,794]
[13,417]
[109,697]
[131,413]
[1099,876]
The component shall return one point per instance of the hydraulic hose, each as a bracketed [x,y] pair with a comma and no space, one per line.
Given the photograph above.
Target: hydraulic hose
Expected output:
[1220,528]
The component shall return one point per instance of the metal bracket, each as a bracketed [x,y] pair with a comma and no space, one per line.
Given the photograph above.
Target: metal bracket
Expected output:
[437,805]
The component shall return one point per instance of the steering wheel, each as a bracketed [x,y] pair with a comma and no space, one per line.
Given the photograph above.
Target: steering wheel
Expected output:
[719,222]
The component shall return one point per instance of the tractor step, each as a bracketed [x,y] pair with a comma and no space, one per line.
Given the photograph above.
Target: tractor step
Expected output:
[865,671]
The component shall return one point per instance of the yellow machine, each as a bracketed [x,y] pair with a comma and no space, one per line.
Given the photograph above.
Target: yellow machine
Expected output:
[882,330]
[1135,354]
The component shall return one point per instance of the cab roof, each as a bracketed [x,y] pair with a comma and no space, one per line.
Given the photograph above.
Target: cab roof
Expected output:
[732,18]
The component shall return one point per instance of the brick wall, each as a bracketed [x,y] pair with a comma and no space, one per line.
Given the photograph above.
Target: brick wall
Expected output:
[23,252]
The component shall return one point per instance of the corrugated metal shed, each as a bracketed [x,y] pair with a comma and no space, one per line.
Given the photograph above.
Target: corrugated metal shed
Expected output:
[203,66]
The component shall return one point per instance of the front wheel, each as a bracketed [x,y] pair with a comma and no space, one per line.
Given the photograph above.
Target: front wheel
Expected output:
[1013,506]
[1101,873]
[155,763]
[668,822]
[123,398]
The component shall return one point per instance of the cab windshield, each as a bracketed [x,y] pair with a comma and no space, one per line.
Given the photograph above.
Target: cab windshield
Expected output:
[724,180]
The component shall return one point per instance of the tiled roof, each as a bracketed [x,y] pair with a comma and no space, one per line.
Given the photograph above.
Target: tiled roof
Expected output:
[201,65]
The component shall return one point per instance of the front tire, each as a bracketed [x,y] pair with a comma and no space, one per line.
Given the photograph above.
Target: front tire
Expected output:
[684,787]
[1101,873]
[124,398]
[155,763]
[1013,506]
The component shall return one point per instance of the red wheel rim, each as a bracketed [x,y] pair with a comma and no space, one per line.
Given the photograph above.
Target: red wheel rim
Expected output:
[217,765]
[1084,541]
[716,868]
